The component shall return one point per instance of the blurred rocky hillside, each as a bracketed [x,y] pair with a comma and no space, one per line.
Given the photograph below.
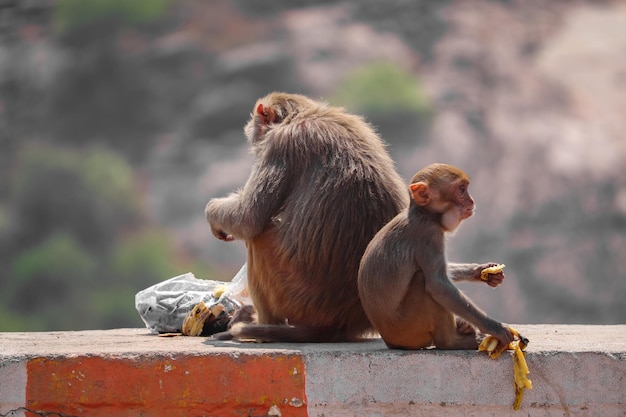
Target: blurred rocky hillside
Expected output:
[528,97]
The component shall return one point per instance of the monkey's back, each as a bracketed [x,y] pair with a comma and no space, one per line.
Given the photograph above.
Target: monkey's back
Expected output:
[343,188]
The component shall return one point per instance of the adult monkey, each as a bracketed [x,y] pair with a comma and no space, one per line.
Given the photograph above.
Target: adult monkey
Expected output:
[321,186]
[404,279]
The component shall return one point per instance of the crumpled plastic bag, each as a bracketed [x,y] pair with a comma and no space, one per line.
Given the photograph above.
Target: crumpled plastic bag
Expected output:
[164,306]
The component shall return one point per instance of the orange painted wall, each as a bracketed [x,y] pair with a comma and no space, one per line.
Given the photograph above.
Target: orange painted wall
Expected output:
[247,385]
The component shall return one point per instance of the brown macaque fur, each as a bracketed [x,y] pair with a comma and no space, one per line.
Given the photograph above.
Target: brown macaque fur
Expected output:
[321,186]
[404,280]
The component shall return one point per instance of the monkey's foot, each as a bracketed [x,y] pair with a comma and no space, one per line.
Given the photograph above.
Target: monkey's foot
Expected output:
[246,314]
[464,327]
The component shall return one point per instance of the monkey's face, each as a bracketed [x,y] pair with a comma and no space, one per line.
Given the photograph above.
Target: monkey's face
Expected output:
[461,205]
[462,199]
[449,197]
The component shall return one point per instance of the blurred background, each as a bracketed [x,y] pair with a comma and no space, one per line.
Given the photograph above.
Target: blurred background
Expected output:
[120,119]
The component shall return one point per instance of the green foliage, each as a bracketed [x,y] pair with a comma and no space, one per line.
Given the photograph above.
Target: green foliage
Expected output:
[74,13]
[382,87]
[115,307]
[11,321]
[145,258]
[79,246]
[148,257]
[112,179]
[33,164]
[49,280]
[66,213]
[87,194]
[59,260]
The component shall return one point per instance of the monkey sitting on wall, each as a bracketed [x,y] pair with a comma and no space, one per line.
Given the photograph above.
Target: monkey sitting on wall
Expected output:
[404,279]
[321,186]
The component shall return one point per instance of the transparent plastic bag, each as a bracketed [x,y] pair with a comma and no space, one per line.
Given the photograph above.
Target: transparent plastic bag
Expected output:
[164,306]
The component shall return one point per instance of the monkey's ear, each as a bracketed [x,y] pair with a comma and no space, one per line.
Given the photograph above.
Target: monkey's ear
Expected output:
[266,114]
[421,193]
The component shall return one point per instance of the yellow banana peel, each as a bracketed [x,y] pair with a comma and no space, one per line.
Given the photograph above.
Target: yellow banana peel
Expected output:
[194,322]
[520,368]
[199,316]
[520,371]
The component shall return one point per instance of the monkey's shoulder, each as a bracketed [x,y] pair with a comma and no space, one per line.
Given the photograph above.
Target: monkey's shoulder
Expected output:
[405,231]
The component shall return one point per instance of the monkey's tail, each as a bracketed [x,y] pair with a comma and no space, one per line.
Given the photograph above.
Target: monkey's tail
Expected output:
[284,333]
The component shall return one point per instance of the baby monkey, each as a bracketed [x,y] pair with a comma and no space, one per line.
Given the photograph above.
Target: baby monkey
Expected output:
[405,282]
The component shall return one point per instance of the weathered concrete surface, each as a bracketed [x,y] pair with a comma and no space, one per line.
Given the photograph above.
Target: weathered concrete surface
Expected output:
[576,370]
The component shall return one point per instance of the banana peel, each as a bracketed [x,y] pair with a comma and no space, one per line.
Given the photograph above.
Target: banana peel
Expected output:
[200,316]
[520,368]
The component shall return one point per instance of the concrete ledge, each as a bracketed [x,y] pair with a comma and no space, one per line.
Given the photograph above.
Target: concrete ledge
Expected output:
[576,370]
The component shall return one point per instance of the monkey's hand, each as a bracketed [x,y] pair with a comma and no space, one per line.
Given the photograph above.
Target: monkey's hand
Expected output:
[487,273]
[492,274]
[220,234]
[502,333]
[493,347]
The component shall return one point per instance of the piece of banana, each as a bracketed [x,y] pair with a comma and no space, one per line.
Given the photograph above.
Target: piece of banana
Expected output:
[491,270]
[520,368]
[492,347]
[219,290]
